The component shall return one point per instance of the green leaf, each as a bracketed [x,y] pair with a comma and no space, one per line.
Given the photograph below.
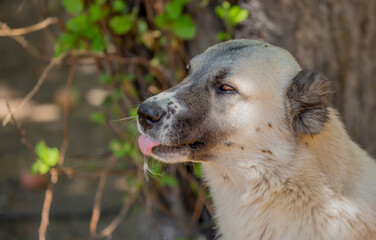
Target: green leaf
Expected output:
[46,156]
[52,157]
[121,148]
[133,182]
[40,148]
[223,36]
[155,168]
[77,24]
[39,167]
[133,112]
[121,24]
[117,93]
[119,6]
[35,168]
[81,26]
[98,117]
[98,44]
[237,14]
[128,77]
[43,168]
[197,170]
[92,32]
[66,42]
[184,27]
[168,180]
[105,78]
[161,20]
[116,148]
[116,111]
[226,5]
[220,12]
[73,6]
[100,2]
[142,27]
[174,9]
[81,44]
[97,13]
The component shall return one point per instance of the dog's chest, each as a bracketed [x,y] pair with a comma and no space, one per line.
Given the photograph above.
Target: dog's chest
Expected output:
[291,212]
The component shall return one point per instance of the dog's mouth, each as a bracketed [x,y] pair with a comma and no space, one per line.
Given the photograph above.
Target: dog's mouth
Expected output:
[150,146]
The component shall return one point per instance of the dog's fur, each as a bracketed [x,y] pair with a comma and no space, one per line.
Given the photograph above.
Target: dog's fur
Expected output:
[275,155]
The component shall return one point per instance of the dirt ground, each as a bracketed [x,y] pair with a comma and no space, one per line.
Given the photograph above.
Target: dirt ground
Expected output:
[41,118]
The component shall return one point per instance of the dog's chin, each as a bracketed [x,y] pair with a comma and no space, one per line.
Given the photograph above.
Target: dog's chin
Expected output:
[176,153]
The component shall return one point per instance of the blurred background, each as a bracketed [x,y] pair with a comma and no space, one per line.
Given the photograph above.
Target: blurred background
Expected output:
[74,71]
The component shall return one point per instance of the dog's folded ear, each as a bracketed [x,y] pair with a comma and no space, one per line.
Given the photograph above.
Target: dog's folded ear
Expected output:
[308,98]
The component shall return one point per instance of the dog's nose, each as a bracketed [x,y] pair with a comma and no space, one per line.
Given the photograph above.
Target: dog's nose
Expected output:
[149,113]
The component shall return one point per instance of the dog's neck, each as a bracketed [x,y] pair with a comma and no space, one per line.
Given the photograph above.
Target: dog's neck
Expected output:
[248,187]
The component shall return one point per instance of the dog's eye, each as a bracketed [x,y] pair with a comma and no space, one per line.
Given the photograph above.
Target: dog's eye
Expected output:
[226,88]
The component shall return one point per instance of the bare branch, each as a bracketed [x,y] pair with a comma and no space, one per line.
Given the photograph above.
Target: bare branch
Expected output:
[63,149]
[46,211]
[25,44]
[6,32]
[98,196]
[123,212]
[24,140]
[35,89]
[198,207]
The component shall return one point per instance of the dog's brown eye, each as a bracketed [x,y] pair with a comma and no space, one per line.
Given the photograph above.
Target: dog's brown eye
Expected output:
[226,88]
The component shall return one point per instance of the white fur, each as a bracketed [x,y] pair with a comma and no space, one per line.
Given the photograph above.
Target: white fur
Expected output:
[325,191]
[270,185]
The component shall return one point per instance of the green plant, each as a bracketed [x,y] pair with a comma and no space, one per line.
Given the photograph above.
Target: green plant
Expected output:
[139,48]
[154,59]
[173,20]
[231,16]
[46,158]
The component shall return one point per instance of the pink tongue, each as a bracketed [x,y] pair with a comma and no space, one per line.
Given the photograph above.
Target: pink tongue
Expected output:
[146,144]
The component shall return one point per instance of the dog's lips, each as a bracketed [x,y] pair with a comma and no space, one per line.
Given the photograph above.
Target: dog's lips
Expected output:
[149,145]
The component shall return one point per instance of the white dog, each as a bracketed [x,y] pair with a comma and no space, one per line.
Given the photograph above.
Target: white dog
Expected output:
[276,157]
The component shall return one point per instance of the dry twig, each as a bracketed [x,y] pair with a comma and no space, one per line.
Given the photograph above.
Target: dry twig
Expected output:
[24,140]
[98,196]
[35,89]
[122,213]
[25,44]
[198,207]
[6,32]
[63,149]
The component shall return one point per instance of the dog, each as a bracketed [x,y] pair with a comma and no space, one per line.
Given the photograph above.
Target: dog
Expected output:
[276,157]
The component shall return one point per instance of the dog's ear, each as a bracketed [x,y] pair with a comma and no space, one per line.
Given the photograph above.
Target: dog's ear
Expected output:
[308,98]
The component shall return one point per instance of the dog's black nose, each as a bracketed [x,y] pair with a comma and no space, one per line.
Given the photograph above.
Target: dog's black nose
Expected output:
[149,113]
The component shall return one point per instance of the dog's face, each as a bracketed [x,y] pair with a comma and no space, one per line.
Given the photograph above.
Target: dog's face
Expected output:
[237,98]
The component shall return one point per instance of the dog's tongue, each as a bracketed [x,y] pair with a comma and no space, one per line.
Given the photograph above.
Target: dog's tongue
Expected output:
[146,143]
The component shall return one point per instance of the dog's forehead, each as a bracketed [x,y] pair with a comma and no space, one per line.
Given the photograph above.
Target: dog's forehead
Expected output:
[249,59]
[223,54]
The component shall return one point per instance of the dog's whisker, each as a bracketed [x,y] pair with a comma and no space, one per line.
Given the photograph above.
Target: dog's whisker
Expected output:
[131,123]
[148,95]
[134,135]
[123,119]
[146,169]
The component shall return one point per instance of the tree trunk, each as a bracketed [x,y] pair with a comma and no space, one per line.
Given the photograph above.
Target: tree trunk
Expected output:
[334,37]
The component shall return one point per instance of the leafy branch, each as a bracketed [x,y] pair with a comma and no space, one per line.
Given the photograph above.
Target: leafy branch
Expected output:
[139,48]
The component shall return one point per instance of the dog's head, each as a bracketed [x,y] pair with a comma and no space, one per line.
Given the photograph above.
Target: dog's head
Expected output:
[240,97]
